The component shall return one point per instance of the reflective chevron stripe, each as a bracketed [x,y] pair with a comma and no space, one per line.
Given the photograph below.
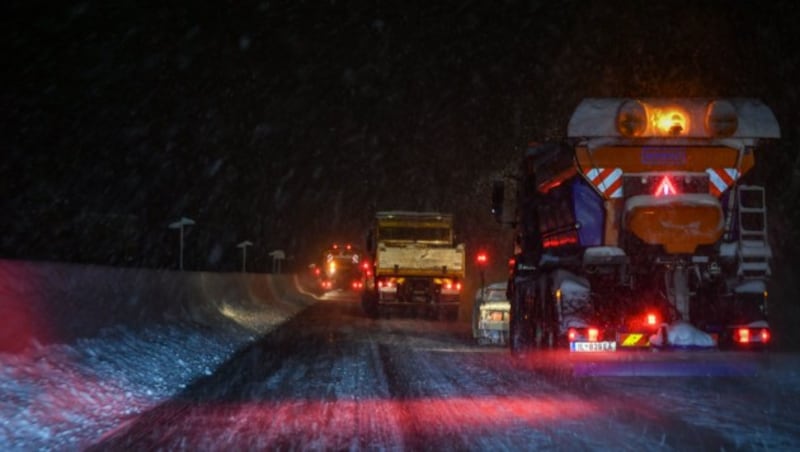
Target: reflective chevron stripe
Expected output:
[633,339]
[607,180]
[721,179]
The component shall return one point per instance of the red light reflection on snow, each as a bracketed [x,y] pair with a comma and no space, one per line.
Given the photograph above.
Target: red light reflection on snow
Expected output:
[22,316]
[332,424]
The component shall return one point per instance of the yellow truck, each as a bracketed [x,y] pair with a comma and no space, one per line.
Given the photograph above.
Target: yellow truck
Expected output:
[417,266]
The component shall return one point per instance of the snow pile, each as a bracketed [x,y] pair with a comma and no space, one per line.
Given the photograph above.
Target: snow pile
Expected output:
[66,397]
[682,334]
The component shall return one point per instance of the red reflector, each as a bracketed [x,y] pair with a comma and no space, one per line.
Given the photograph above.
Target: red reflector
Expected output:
[665,188]
[593,334]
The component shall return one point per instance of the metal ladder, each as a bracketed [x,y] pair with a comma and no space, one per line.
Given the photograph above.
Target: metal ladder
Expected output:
[753,252]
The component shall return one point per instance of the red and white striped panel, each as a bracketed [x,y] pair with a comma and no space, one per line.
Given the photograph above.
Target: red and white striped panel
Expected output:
[720,179]
[607,180]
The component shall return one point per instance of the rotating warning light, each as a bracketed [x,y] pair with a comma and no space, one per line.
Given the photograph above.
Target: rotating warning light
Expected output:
[665,187]
[672,122]
[632,118]
[722,119]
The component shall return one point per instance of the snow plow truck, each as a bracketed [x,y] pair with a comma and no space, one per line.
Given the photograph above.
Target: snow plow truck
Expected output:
[340,268]
[417,266]
[642,228]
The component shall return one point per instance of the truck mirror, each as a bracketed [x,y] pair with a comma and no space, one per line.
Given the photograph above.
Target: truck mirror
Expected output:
[498,195]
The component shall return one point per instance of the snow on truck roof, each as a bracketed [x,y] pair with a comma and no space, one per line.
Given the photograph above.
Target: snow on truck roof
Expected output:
[748,118]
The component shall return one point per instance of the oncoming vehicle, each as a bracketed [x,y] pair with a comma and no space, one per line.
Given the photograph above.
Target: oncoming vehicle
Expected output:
[643,228]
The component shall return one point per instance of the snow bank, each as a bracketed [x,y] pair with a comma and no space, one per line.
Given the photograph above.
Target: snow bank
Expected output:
[93,347]
[43,303]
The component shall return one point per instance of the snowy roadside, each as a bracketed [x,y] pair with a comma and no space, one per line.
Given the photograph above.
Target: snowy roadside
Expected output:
[122,341]
[66,397]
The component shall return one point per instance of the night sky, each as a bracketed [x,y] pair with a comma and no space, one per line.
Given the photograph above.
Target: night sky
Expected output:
[288,123]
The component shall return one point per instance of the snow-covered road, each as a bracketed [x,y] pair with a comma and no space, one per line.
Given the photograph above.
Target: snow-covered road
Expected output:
[331,379]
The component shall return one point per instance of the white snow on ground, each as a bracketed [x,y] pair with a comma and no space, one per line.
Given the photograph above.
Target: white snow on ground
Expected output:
[63,397]
[90,379]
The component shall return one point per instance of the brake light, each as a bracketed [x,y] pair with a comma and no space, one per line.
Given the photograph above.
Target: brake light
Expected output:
[765,335]
[652,319]
[571,334]
[743,335]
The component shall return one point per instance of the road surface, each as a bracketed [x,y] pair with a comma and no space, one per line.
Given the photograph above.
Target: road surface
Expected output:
[333,379]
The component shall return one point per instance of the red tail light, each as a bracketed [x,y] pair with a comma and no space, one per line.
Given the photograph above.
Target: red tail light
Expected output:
[571,334]
[743,335]
[652,319]
[458,286]
[594,333]
[754,335]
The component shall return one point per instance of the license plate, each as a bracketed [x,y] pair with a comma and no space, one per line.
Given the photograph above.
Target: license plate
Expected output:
[605,346]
